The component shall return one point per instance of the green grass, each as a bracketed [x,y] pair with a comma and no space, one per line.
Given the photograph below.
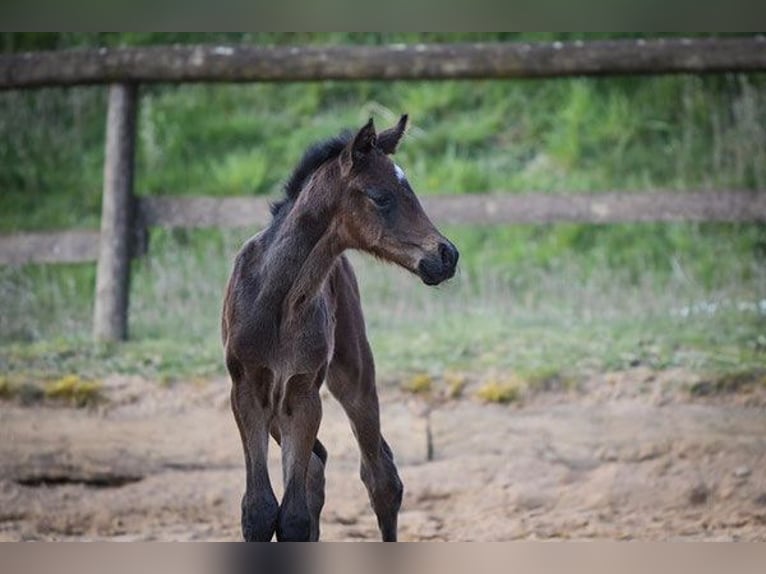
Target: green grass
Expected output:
[165,360]
[466,340]
[570,135]
[533,299]
[480,341]
[569,318]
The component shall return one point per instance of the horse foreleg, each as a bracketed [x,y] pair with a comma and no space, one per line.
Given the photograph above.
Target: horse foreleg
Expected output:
[250,404]
[315,483]
[298,417]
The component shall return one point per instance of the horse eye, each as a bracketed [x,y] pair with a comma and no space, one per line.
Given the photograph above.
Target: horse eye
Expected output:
[381,199]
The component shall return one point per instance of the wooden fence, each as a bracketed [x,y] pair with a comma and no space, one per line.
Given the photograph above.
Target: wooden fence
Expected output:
[126,218]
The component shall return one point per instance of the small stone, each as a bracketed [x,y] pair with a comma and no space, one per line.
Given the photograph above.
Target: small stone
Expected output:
[742,472]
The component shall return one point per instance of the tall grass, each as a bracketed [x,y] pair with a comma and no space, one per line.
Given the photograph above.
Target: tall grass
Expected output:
[575,313]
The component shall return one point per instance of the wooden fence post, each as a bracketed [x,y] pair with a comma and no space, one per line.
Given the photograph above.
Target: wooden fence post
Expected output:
[110,316]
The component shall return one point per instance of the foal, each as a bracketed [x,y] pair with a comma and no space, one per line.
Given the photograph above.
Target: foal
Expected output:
[292,318]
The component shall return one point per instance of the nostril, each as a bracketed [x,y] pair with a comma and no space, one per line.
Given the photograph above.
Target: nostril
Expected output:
[447,254]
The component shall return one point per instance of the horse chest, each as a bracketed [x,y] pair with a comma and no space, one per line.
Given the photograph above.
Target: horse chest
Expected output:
[307,340]
[304,343]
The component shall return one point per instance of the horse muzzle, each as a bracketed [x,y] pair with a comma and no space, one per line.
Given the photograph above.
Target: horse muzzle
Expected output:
[440,265]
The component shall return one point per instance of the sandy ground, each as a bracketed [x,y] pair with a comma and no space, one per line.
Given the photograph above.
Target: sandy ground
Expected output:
[628,456]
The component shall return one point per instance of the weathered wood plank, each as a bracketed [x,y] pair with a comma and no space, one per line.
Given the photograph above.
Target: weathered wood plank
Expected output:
[49,247]
[167,211]
[242,63]
[488,209]
[613,207]
[477,209]
[110,313]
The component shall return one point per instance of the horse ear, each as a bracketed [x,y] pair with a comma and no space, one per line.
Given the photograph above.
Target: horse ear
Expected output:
[364,141]
[388,140]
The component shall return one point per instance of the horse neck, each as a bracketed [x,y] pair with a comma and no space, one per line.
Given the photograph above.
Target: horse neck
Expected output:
[304,250]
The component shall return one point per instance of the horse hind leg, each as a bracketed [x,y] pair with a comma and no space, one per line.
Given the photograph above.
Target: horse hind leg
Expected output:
[315,486]
[351,380]
[252,412]
[354,388]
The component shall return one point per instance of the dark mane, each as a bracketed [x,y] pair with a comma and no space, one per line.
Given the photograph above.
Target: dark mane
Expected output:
[312,159]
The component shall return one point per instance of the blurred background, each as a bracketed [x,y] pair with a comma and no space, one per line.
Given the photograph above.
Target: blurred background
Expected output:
[548,298]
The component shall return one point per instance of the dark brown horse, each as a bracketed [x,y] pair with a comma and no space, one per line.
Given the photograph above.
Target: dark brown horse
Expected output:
[292,318]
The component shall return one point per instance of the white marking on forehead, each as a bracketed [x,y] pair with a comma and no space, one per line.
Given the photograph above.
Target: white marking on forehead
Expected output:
[400,173]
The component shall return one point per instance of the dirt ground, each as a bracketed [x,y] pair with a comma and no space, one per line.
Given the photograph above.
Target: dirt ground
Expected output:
[627,456]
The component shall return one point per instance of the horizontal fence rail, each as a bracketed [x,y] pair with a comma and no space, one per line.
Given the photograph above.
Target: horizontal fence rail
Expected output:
[74,246]
[242,63]
[474,209]
[614,207]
